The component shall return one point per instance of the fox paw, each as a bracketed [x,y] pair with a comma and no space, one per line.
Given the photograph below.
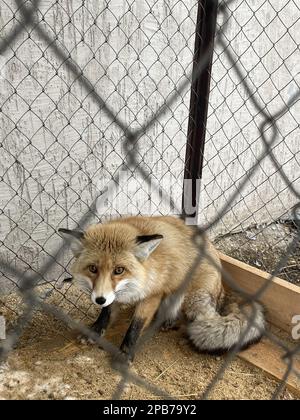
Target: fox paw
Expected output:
[169,324]
[83,339]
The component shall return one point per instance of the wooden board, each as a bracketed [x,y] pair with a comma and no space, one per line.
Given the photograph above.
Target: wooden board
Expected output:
[268,356]
[282,302]
[281,299]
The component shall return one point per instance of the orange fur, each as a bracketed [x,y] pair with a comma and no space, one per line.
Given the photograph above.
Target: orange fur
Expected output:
[167,275]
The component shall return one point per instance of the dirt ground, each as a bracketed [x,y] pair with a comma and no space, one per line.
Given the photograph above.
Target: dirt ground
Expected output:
[49,363]
[263,247]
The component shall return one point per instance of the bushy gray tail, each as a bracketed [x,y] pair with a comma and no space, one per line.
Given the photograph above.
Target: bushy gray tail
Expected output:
[218,334]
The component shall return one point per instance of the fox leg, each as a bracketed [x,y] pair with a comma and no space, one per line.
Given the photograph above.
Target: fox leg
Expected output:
[99,326]
[143,315]
[170,311]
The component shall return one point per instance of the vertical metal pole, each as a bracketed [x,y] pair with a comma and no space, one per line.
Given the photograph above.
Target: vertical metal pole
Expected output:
[204,46]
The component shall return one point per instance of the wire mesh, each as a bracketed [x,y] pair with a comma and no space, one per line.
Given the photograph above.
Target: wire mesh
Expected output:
[97,94]
[263,41]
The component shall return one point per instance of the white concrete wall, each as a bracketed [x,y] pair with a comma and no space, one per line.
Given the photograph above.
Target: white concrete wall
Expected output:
[59,148]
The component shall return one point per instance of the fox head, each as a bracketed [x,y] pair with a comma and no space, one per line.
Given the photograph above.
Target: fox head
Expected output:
[111,262]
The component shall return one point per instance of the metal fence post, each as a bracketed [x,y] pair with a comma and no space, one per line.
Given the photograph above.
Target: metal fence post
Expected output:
[204,44]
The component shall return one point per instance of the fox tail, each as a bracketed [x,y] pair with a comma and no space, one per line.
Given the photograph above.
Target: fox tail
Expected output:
[236,324]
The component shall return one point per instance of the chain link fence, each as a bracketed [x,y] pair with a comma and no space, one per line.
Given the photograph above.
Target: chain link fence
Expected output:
[94,110]
[263,39]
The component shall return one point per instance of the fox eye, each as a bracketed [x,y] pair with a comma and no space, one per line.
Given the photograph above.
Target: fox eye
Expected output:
[93,269]
[119,270]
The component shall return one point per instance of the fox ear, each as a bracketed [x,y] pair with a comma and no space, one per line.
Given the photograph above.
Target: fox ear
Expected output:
[74,238]
[146,245]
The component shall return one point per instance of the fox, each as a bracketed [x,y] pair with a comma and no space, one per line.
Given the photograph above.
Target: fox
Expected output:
[156,265]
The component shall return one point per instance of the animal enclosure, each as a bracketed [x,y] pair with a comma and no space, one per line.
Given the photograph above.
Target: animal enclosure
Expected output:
[109,108]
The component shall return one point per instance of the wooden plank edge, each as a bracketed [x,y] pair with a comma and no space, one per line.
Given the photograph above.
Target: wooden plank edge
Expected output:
[267,356]
[282,302]
[281,298]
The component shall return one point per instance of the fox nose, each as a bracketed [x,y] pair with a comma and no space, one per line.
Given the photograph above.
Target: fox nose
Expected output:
[100,300]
